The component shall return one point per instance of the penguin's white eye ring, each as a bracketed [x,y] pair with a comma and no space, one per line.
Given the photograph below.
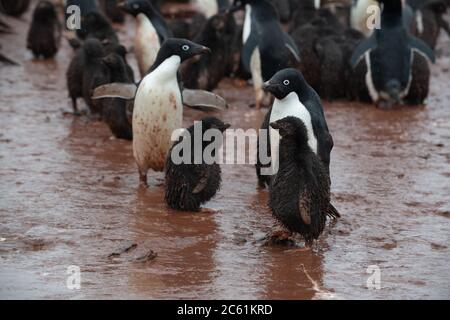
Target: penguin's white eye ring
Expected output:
[286,82]
[185,47]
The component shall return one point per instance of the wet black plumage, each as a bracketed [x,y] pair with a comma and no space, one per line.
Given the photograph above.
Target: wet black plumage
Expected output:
[218,34]
[95,72]
[44,35]
[114,111]
[188,186]
[300,191]
[14,8]
[95,25]
[112,11]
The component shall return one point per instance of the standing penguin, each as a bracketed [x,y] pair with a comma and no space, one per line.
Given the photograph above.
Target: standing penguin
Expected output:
[158,105]
[266,47]
[300,190]
[391,66]
[188,185]
[44,36]
[151,31]
[294,97]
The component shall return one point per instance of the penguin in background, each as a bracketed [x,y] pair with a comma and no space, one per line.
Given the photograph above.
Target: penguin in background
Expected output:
[391,67]
[152,31]
[14,8]
[114,110]
[266,47]
[44,35]
[189,185]
[158,105]
[429,19]
[295,98]
[207,71]
[299,195]
[209,8]
[95,25]
[112,11]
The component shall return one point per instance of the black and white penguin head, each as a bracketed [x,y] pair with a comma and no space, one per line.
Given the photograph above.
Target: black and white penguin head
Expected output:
[284,82]
[182,48]
[214,123]
[134,7]
[44,11]
[292,127]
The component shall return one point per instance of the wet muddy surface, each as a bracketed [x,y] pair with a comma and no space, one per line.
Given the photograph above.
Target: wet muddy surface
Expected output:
[69,195]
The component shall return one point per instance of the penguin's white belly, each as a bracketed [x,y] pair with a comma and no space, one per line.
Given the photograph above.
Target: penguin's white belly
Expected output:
[290,106]
[146,43]
[158,111]
[247,29]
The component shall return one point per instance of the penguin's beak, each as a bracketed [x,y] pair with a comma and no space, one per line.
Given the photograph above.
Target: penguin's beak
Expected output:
[274,125]
[271,87]
[202,50]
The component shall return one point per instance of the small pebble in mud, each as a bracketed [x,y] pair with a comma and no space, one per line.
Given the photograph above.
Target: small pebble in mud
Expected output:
[436,246]
[149,256]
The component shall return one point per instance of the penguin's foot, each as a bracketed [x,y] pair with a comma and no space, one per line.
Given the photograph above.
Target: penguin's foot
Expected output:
[207,211]
[280,237]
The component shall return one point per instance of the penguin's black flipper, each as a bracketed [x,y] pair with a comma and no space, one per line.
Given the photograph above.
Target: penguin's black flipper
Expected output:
[248,49]
[7,60]
[203,100]
[290,44]
[362,48]
[332,212]
[422,48]
[125,91]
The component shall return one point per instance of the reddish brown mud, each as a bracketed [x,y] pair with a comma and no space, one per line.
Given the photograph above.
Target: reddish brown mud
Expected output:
[69,195]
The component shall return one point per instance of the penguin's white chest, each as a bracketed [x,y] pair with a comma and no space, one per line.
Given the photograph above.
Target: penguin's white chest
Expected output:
[146,43]
[158,111]
[291,106]
[247,24]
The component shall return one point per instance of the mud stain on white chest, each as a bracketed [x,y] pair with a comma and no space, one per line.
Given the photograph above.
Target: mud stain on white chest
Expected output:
[158,111]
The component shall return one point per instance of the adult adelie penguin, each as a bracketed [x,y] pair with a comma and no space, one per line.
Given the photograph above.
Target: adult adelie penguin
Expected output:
[266,47]
[151,31]
[158,105]
[294,97]
[391,66]
[44,36]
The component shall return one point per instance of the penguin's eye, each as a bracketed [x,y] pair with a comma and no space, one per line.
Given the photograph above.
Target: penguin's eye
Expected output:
[185,47]
[286,82]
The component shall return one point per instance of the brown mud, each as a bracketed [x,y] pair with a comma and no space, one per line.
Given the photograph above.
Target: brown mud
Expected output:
[69,195]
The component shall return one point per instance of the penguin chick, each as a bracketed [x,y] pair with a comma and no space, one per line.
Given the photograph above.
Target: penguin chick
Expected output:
[114,110]
[95,25]
[44,35]
[300,190]
[95,72]
[208,70]
[189,185]
[158,105]
[112,11]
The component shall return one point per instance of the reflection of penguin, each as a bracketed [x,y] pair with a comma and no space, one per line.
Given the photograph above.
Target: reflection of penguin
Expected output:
[300,190]
[188,185]
[158,105]
[267,48]
[14,8]
[114,111]
[294,97]
[44,36]
[151,31]
[385,63]
[207,71]
[112,11]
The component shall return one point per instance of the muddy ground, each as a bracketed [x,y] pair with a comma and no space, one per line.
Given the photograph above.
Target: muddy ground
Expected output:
[69,195]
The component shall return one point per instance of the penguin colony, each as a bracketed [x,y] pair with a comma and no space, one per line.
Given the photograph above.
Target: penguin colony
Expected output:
[293,52]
